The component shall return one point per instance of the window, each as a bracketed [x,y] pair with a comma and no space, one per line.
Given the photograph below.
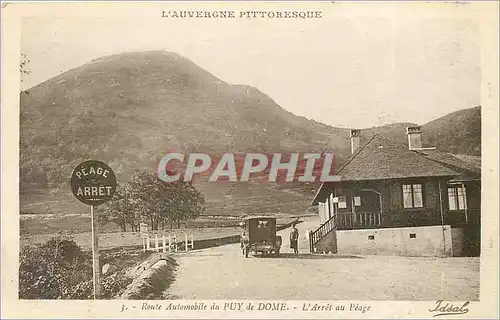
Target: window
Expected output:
[262,223]
[456,197]
[357,201]
[342,202]
[412,196]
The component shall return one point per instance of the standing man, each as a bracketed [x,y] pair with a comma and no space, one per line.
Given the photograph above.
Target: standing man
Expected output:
[294,239]
[244,244]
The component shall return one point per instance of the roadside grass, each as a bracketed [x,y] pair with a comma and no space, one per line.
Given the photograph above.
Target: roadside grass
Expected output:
[74,224]
[61,225]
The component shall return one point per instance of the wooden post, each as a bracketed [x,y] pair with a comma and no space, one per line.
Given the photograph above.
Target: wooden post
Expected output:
[163,242]
[465,202]
[354,216]
[148,243]
[310,242]
[441,210]
[170,243]
[442,216]
[95,254]
[329,205]
[185,241]
[156,242]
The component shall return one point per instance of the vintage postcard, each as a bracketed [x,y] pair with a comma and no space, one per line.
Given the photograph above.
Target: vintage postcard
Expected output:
[227,159]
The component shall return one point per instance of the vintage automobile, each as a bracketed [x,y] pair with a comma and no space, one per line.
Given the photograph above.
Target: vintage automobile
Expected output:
[259,236]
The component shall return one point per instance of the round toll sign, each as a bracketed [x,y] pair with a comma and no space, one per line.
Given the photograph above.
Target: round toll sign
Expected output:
[93,182]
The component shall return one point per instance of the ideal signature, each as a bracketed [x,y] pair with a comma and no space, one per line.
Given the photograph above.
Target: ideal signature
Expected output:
[445,308]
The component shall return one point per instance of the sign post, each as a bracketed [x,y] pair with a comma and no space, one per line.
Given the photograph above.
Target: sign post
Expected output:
[95,254]
[93,182]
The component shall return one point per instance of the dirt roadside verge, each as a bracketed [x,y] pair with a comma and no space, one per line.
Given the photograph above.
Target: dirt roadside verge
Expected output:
[151,277]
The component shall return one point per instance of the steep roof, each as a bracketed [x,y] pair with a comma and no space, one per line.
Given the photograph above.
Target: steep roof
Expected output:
[382,158]
[458,161]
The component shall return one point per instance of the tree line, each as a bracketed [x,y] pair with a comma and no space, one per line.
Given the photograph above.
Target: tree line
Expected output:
[145,198]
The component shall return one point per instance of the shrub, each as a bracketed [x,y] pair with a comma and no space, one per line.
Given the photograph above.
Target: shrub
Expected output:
[114,284]
[59,269]
[54,270]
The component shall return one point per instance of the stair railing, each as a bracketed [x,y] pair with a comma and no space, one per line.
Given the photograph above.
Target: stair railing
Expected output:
[316,235]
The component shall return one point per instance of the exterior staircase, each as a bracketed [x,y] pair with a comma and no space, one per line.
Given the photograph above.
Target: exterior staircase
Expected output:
[324,239]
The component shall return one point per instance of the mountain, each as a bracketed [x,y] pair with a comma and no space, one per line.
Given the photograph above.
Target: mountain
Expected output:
[130,109]
[458,132]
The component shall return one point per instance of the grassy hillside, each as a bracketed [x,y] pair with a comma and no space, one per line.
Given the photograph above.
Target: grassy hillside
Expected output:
[458,132]
[130,109]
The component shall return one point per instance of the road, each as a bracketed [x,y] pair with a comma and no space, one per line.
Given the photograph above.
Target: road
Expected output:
[223,273]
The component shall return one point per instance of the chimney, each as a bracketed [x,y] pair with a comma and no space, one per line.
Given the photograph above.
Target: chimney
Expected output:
[355,133]
[414,138]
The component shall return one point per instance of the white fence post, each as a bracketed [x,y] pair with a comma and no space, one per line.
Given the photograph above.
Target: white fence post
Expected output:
[190,241]
[174,240]
[146,243]
[185,241]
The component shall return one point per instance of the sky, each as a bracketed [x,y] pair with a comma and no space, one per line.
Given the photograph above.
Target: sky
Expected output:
[354,71]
